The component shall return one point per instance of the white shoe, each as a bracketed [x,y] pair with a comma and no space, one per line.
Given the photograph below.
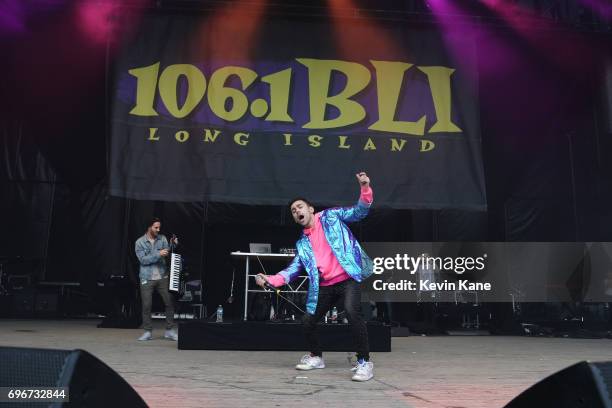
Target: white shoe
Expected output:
[147,335]
[171,335]
[364,372]
[309,362]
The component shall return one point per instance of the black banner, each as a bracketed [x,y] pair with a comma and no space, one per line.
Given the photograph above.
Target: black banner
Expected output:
[205,111]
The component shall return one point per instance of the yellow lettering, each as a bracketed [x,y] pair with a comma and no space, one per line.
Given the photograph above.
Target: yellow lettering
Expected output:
[319,79]
[397,145]
[369,145]
[210,136]
[439,83]
[218,93]
[196,87]
[181,136]
[389,79]
[315,140]
[152,134]
[288,139]
[280,86]
[146,85]
[343,144]
[427,145]
[241,138]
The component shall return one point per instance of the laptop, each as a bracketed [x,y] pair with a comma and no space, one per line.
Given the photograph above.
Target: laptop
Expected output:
[256,248]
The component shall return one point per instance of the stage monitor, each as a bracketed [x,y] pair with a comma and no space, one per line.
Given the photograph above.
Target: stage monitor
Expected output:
[583,385]
[75,377]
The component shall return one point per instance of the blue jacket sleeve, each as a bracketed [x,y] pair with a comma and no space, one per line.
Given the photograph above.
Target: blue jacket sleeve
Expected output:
[143,258]
[293,270]
[354,213]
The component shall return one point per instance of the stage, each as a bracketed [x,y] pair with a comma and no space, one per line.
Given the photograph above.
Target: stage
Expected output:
[420,372]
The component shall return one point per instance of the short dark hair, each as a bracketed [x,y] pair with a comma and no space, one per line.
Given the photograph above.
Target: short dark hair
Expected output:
[153,221]
[308,203]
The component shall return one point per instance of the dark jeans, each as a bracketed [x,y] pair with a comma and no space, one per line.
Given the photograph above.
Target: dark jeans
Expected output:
[350,292]
[146,292]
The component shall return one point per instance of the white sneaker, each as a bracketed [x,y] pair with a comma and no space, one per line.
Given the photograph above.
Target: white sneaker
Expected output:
[147,335]
[171,335]
[309,362]
[364,372]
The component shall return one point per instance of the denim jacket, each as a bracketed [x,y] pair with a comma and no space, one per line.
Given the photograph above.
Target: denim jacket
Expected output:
[345,247]
[148,256]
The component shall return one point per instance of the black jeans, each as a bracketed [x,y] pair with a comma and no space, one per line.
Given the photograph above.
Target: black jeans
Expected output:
[350,291]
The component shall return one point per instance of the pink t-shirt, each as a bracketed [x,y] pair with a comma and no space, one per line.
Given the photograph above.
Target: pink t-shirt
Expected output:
[330,270]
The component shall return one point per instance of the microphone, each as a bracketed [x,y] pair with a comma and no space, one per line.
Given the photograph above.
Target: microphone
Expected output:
[270,287]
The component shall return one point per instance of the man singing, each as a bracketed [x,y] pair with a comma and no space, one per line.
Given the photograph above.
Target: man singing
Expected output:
[336,264]
[152,249]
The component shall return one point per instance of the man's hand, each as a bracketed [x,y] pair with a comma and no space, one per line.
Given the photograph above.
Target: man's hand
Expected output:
[261,280]
[163,252]
[363,179]
[174,240]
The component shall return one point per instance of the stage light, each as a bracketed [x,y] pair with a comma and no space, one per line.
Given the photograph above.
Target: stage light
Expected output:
[603,8]
[106,20]
[95,18]
[566,49]
[357,36]
[459,33]
[15,13]
[230,33]
[12,17]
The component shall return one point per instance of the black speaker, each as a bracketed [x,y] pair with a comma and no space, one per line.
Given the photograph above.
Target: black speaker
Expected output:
[583,385]
[90,382]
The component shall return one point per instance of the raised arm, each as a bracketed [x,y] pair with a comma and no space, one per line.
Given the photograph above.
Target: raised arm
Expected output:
[360,210]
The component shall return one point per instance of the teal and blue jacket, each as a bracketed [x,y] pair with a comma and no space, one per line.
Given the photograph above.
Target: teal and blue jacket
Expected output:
[345,247]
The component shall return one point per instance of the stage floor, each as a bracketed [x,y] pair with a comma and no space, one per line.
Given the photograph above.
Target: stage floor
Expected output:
[420,372]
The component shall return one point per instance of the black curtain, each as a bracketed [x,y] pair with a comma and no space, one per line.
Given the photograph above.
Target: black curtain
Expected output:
[547,169]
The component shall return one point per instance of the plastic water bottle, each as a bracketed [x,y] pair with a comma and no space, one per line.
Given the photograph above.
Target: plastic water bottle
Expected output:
[334,315]
[220,314]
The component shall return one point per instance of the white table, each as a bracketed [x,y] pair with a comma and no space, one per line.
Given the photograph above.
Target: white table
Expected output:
[265,257]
